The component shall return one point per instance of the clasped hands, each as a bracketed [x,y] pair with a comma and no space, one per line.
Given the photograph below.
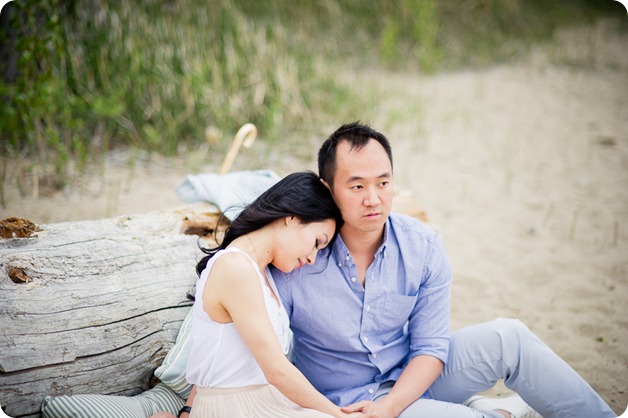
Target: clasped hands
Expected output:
[367,409]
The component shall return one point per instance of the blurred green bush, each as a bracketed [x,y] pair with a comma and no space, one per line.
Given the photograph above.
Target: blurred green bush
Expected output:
[83,76]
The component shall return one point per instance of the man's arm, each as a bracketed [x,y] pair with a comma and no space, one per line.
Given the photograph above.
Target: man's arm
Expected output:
[415,379]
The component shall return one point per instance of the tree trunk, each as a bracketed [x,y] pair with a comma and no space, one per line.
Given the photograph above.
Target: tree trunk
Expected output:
[94,306]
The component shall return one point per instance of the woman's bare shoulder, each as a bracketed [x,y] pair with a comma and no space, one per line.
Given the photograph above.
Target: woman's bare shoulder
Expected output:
[233,267]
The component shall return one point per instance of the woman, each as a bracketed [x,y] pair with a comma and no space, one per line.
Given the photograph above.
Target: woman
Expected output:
[240,330]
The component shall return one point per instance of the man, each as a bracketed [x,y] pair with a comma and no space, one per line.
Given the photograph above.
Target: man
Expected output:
[371,320]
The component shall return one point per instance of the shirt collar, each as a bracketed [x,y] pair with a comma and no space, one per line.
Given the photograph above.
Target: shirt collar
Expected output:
[341,251]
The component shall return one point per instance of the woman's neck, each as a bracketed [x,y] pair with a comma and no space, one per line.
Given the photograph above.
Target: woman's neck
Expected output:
[256,247]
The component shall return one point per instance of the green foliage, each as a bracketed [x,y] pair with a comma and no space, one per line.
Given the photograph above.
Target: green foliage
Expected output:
[415,23]
[390,41]
[31,119]
[95,74]
[425,32]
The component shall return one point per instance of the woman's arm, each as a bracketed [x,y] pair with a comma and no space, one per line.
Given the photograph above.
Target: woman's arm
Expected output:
[238,291]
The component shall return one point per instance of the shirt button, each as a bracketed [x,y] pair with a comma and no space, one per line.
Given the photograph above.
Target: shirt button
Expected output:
[366,339]
[339,264]
[370,390]
[347,257]
[374,355]
[368,308]
[353,279]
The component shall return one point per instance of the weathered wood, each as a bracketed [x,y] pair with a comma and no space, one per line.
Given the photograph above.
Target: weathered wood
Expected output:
[94,306]
[100,305]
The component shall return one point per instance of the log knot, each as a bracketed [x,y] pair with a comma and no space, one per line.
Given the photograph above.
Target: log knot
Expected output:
[17,275]
[17,228]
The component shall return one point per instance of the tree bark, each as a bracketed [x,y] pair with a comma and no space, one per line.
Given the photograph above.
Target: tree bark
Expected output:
[94,306]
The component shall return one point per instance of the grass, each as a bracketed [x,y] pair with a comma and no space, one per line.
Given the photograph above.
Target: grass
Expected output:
[90,76]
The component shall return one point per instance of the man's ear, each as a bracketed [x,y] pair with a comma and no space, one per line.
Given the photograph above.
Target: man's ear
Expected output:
[326,184]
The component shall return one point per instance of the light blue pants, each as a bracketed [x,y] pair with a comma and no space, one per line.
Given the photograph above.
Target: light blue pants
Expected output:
[482,354]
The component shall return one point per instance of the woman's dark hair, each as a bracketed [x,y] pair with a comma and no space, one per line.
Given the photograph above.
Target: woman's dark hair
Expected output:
[357,135]
[299,194]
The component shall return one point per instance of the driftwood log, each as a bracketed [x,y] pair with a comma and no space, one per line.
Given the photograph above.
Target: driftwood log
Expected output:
[94,306]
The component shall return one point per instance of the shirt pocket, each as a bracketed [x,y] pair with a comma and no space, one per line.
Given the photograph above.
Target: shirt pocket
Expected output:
[395,312]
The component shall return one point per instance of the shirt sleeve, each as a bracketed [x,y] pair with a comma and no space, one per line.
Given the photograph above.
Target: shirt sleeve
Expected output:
[429,322]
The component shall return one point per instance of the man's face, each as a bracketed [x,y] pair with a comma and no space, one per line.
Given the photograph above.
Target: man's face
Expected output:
[363,187]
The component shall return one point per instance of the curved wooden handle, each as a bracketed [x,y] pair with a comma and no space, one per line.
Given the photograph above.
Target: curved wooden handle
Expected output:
[244,137]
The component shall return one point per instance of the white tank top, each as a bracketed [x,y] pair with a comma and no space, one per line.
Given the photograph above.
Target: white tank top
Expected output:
[219,358]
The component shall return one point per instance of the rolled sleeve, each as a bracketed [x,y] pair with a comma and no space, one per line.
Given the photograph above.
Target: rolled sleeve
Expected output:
[429,323]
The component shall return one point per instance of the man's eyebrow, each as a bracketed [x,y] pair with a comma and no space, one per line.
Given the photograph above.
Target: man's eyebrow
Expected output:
[356,178]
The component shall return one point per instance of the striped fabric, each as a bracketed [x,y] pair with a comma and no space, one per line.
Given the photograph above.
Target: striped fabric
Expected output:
[172,369]
[169,395]
[159,398]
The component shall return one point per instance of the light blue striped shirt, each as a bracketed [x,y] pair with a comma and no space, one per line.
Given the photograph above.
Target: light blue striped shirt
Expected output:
[349,339]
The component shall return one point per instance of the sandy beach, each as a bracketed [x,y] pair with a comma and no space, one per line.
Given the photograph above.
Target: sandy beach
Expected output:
[522,168]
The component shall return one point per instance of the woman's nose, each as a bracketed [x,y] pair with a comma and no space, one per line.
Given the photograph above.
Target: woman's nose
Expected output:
[312,256]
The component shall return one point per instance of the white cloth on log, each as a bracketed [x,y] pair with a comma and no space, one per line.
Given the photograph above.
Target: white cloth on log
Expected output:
[230,192]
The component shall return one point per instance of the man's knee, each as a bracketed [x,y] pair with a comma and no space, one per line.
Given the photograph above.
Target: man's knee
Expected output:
[510,328]
[501,339]
[498,331]
[516,341]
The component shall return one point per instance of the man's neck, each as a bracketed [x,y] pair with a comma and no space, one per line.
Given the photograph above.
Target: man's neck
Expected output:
[362,246]
[363,242]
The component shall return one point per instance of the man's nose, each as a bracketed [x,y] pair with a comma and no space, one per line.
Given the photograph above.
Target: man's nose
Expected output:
[372,198]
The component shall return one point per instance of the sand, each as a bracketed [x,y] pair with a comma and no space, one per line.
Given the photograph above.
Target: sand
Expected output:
[522,168]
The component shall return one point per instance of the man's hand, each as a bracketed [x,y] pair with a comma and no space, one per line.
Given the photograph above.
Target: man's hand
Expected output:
[369,409]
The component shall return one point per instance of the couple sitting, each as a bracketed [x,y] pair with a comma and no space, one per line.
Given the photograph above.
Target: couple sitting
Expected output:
[370,313]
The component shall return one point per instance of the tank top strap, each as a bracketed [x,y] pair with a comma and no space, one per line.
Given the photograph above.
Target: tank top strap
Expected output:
[238,250]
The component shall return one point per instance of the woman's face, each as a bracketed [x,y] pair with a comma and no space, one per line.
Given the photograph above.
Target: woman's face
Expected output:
[300,242]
